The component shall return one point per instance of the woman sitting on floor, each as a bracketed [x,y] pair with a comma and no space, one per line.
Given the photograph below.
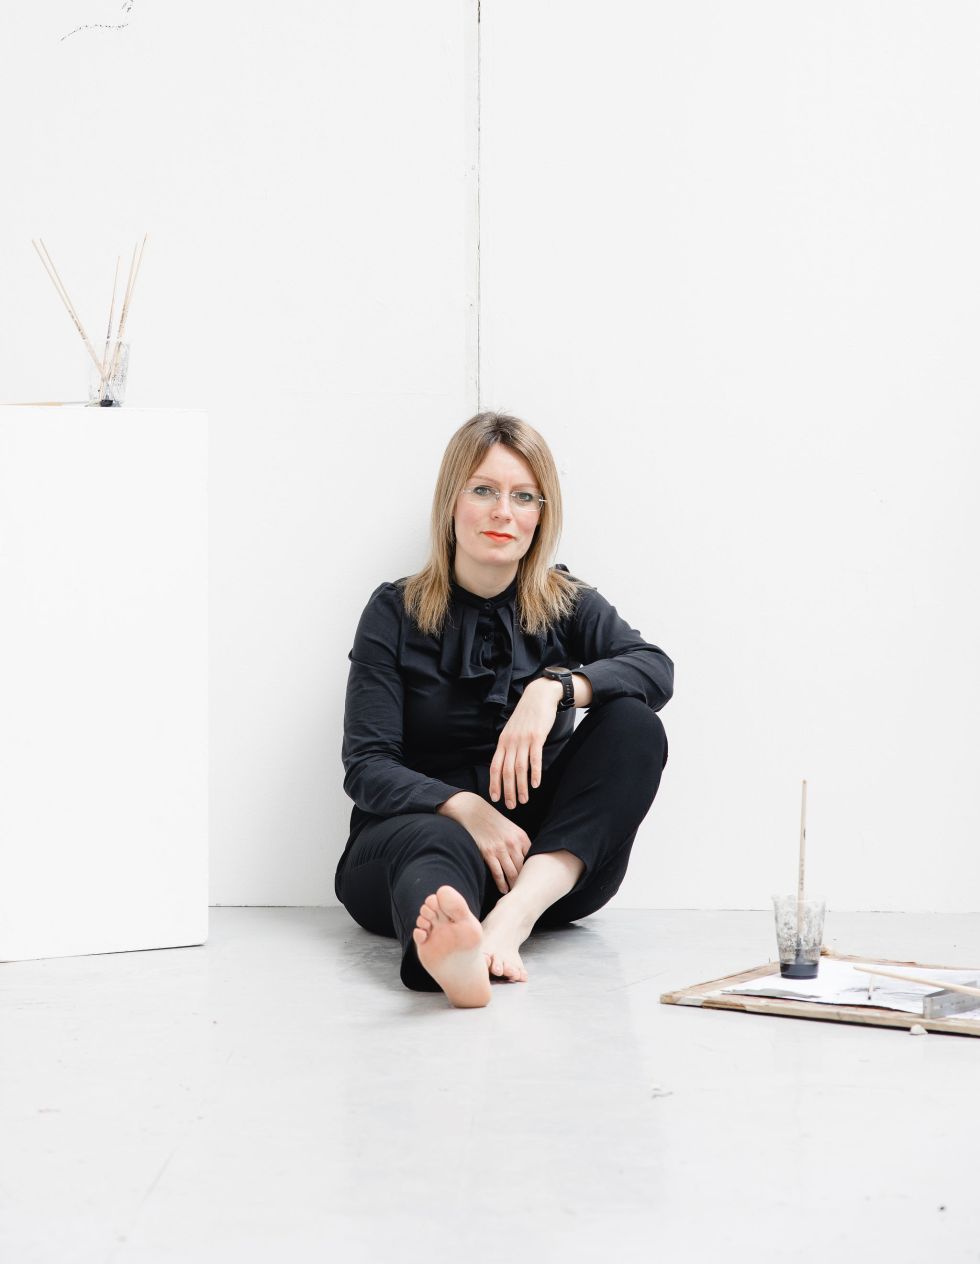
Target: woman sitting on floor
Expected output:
[481,811]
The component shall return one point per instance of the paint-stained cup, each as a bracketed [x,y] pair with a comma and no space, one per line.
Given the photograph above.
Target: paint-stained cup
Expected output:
[799,935]
[109,390]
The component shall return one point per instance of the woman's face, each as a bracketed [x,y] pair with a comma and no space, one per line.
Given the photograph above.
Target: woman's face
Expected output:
[492,535]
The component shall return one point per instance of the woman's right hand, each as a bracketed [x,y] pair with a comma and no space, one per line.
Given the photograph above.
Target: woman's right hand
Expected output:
[503,845]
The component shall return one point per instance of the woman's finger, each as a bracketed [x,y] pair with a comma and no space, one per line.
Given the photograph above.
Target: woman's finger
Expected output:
[507,776]
[535,756]
[520,773]
[498,875]
[516,850]
[495,766]
[509,868]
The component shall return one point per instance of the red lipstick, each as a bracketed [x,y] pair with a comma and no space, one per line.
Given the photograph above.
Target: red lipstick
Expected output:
[498,535]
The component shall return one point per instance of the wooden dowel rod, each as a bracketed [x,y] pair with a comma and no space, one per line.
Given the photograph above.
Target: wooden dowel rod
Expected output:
[134,268]
[108,332]
[129,285]
[799,886]
[910,978]
[69,306]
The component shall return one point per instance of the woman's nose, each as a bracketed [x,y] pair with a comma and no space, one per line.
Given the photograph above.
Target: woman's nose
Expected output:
[502,509]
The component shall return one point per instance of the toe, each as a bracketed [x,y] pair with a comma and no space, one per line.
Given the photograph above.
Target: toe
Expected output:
[515,969]
[452,904]
[420,936]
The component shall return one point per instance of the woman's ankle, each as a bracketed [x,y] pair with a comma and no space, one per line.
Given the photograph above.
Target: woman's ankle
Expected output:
[516,910]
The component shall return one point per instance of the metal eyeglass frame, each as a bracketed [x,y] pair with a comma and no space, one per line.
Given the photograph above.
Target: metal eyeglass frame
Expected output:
[497,493]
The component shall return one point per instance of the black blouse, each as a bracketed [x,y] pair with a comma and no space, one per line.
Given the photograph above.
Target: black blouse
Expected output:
[423,713]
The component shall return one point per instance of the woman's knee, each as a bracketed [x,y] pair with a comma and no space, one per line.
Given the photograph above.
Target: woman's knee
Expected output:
[429,839]
[637,729]
[414,832]
[404,843]
[442,831]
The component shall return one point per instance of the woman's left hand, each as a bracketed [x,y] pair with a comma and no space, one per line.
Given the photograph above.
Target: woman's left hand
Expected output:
[519,748]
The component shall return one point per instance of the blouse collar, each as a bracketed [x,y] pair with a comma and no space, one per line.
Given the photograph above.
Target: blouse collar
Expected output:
[466,598]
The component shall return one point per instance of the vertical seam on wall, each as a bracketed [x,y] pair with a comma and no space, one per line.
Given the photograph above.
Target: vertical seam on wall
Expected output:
[479,75]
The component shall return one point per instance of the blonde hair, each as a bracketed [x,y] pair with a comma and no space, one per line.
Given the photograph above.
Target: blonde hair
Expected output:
[544,595]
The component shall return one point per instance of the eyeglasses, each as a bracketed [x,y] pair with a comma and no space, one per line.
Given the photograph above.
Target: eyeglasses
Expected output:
[522,502]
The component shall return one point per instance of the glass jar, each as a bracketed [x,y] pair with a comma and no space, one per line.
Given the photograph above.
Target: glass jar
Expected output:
[109,392]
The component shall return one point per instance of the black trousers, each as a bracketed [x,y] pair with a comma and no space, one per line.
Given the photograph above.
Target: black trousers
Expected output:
[590,802]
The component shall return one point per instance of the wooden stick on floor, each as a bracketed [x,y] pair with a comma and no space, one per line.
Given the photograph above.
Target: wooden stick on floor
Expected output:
[910,978]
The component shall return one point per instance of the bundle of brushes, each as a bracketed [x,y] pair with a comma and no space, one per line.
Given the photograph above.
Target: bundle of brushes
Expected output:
[108,364]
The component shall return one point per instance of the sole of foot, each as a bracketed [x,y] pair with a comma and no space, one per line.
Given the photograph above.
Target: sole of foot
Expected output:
[449,943]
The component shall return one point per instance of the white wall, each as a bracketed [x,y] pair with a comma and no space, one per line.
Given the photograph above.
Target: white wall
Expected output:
[728,265]
[306,177]
[731,266]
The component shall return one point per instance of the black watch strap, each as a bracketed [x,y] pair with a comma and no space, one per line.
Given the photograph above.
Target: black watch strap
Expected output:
[564,676]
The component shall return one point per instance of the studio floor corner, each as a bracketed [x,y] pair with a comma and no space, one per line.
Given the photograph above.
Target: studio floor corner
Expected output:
[277,1095]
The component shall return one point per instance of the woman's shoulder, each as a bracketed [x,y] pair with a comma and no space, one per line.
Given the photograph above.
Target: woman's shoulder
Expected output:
[391,587]
[381,627]
[573,595]
[582,585]
[387,600]
[563,569]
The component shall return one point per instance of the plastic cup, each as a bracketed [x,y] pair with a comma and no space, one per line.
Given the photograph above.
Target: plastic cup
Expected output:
[798,939]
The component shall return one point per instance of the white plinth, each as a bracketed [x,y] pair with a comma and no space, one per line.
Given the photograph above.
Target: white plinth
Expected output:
[103,680]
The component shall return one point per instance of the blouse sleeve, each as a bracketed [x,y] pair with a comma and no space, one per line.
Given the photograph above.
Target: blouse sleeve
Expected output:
[376,777]
[615,658]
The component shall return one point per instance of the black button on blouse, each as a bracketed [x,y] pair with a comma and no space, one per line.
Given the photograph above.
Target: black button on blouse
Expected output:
[423,713]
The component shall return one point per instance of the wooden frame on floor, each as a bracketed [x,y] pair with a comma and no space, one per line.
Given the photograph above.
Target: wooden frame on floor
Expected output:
[710,996]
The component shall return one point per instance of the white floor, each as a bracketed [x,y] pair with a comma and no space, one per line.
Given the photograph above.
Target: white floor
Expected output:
[277,1095]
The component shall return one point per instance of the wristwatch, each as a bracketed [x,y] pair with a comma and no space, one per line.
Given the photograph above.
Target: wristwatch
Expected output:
[564,677]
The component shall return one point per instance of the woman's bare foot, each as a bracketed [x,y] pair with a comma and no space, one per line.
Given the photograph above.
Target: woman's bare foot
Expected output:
[505,928]
[449,939]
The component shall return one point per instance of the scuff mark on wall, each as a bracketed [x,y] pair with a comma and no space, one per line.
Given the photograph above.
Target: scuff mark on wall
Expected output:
[102,26]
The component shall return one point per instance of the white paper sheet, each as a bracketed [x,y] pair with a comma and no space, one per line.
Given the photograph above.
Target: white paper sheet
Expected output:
[843,983]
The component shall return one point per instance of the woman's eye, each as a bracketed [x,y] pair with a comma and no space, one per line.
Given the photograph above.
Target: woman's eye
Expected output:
[484,492]
[524,498]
